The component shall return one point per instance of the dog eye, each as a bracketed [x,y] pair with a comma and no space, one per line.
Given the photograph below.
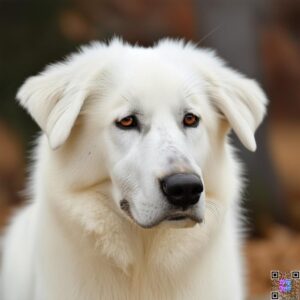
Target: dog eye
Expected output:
[190,120]
[129,122]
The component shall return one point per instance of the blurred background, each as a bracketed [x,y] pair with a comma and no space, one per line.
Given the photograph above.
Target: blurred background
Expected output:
[261,38]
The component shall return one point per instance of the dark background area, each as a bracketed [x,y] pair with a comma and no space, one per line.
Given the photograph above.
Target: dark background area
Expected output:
[261,38]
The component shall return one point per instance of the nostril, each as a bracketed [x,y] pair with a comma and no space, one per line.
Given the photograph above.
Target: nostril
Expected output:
[172,189]
[197,190]
[176,191]
[163,187]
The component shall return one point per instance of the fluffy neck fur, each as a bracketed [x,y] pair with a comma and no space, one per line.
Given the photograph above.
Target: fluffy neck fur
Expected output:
[98,236]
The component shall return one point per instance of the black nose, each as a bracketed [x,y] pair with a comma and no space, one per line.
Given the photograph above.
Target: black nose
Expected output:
[182,189]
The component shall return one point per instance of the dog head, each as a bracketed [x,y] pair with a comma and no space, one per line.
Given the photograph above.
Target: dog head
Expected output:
[146,122]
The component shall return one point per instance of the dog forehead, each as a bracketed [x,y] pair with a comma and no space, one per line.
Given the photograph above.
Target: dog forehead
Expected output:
[153,83]
[146,82]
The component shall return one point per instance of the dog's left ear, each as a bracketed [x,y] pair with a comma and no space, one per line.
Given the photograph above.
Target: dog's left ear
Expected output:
[54,99]
[239,99]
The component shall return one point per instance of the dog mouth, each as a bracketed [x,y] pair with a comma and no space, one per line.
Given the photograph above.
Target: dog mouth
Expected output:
[173,217]
[182,217]
[176,218]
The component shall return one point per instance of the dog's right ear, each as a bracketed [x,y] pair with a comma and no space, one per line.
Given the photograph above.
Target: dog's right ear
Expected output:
[54,99]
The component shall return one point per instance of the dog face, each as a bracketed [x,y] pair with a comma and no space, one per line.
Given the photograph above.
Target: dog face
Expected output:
[156,135]
[151,119]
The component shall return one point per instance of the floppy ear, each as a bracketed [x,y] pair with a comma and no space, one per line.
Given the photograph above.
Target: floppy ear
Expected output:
[54,99]
[240,100]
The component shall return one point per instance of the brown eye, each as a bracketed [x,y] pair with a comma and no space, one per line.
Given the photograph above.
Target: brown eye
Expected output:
[190,120]
[128,122]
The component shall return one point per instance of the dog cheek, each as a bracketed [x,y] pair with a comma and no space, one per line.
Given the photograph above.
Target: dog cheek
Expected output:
[124,179]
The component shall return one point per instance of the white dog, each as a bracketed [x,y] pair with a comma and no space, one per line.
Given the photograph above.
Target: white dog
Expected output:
[135,188]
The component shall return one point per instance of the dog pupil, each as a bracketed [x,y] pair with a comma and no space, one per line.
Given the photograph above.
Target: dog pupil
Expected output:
[190,119]
[127,121]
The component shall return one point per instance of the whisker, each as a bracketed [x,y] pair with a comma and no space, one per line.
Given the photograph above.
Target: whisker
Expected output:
[209,34]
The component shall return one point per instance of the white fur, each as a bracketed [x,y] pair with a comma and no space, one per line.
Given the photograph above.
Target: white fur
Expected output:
[73,241]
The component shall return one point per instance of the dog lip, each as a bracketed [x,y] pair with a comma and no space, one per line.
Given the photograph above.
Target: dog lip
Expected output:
[124,204]
[171,218]
[174,217]
[180,217]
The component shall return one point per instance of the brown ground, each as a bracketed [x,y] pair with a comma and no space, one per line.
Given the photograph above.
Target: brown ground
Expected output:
[280,250]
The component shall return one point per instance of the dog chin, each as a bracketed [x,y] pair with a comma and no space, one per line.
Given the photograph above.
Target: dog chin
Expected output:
[184,223]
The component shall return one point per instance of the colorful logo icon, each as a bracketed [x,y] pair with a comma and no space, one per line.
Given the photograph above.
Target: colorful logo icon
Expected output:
[285,285]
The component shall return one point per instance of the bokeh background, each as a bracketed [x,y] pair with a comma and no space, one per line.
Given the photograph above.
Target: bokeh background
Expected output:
[261,38]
